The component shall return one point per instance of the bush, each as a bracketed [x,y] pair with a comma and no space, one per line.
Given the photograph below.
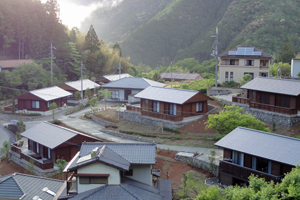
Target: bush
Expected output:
[34,114]
[172,129]
[217,137]
[231,84]
[56,121]
[87,116]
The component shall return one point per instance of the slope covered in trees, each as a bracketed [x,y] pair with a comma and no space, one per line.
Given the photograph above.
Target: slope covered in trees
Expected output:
[182,29]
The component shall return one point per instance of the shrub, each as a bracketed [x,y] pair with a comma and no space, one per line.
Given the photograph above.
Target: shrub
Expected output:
[171,129]
[217,137]
[34,114]
[56,121]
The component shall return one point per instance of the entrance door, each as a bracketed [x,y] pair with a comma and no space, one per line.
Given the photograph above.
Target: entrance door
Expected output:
[127,92]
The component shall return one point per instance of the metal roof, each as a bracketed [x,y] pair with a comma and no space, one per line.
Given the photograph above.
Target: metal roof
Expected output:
[245,52]
[263,144]
[114,77]
[16,185]
[50,93]
[132,83]
[183,76]
[128,190]
[14,63]
[50,135]
[274,85]
[86,83]
[170,95]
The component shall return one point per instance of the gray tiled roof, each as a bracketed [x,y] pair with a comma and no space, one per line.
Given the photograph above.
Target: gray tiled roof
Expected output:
[135,153]
[86,83]
[17,185]
[169,95]
[274,85]
[263,144]
[263,54]
[127,190]
[49,135]
[132,83]
[104,155]
[50,93]
[165,188]
[114,77]
[183,76]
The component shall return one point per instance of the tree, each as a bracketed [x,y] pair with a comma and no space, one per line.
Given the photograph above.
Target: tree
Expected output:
[77,95]
[61,164]
[287,51]
[92,42]
[117,49]
[230,118]
[88,93]
[5,148]
[210,193]
[245,79]
[93,103]
[53,107]
[105,94]
[285,69]
[30,166]
[21,128]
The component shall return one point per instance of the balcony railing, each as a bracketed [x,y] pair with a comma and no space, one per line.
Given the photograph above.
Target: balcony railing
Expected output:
[133,108]
[162,116]
[241,100]
[272,108]
[244,172]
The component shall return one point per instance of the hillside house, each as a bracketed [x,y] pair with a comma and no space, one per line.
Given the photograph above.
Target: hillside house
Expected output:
[271,94]
[13,64]
[175,76]
[48,142]
[125,88]
[170,104]
[110,78]
[40,100]
[112,171]
[248,151]
[240,61]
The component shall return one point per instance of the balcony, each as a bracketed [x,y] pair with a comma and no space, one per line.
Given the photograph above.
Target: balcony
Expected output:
[271,108]
[244,172]
[241,100]
[162,116]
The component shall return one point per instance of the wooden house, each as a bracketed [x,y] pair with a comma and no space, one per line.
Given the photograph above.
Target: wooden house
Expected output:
[13,64]
[181,76]
[40,100]
[271,94]
[50,142]
[110,78]
[171,104]
[248,151]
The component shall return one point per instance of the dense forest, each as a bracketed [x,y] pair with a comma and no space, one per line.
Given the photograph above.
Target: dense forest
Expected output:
[153,32]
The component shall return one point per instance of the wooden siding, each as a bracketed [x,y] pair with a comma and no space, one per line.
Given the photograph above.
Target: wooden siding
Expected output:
[133,108]
[227,153]
[241,100]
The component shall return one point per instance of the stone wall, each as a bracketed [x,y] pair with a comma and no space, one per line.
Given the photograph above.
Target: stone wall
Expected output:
[197,162]
[127,136]
[15,157]
[267,116]
[101,121]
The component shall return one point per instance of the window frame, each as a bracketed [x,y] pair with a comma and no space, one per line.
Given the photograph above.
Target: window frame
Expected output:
[226,76]
[93,180]
[115,94]
[249,62]
[231,76]
[35,104]
[199,107]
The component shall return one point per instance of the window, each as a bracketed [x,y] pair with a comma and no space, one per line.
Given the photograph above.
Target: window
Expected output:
[146,102]
[265,98]
[172,109]
[231,76]
[49,153]
[252,75]
[249,62]
[155,106]
[227,62]
[114,94]
[226,76]
[254,95]
[35,104]
[264,62]
[199,107]
[93,180]
[284,101]
[129,173]
[232,62]
[48,103]
[238,158]
[37,148]
[263,165]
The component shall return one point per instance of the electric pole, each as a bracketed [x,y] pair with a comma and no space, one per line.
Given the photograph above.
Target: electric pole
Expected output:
[120,69]
[215,53]
[81,94]
[171,75]
[51,53]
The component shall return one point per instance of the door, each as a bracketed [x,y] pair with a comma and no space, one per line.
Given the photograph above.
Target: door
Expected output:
[127,92]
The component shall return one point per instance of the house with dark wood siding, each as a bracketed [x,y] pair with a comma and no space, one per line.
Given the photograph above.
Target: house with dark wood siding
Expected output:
[48,142]
[248,151]
[170,104]
[40,100]
[272,94]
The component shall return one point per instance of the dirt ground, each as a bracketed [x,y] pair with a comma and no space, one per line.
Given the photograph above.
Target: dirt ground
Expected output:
[176,169]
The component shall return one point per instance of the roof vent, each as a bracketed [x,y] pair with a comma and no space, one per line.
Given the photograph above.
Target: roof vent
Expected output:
[45,189]
[36,198]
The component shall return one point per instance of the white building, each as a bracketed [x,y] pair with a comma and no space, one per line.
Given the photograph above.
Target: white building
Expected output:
[295,68]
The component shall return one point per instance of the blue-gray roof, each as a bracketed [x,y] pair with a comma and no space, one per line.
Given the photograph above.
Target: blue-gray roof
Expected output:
[127,190]
[263,144]
[274,85]
[17,185]
[165,188]
[170,95]
[50,135]
[132,83]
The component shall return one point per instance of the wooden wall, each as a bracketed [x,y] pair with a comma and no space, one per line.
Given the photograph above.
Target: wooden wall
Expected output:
[27,104]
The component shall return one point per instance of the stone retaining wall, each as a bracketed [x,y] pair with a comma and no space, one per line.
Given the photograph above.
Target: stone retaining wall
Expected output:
[127,136]
[15,157]
[196,161]
[101,121]
[267,116]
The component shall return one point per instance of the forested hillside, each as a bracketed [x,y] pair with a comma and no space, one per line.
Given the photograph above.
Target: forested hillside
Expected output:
[182,28]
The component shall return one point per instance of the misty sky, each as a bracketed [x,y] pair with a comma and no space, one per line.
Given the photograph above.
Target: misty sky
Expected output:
[73,12]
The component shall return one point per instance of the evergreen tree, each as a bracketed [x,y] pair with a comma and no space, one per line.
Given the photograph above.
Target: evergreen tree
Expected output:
[117,48]
[287,51]
[92,42]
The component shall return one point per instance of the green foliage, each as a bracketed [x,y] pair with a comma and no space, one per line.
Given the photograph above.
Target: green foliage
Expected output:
[53,107]
[231,84]
[177,130]
[230,118]
[92,42]
[198,85]
[287,51]
[211,159]
[88,93]
[5,148]
[190,185]
[21,128]
[285,69]
[93,103]
[56,121]
[61,164]
[77,95]
[30,166]
[210,193]
[245,79]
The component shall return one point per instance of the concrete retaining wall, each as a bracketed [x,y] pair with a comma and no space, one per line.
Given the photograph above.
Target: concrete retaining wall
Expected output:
[267,116]
[100,121]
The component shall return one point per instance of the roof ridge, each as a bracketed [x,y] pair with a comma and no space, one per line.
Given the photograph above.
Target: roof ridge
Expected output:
[277,79]
[117,154]
[133,194]
[194,91]
[116,143]
[13,176]
[95,191]
[39,177]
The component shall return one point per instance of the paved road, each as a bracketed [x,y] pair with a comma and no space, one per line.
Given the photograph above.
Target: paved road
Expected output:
[5,135]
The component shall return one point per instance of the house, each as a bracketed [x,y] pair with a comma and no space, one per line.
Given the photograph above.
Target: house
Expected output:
[122,89]
[112,171]
[271,94]
[171,104]
[48,142]
[248,151]
[23,186]
[240,61]
[180,76]
[75,86]
[295,68]
[112,77]
[40,100]
[13,64]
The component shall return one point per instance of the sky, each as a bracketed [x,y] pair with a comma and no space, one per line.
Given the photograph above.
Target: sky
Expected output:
[73,12]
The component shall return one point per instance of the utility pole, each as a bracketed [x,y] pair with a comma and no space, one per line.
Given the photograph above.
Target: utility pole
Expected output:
[171,75]
[81,94]
[51,53]
[277,62]
[215,53]
[120,69]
